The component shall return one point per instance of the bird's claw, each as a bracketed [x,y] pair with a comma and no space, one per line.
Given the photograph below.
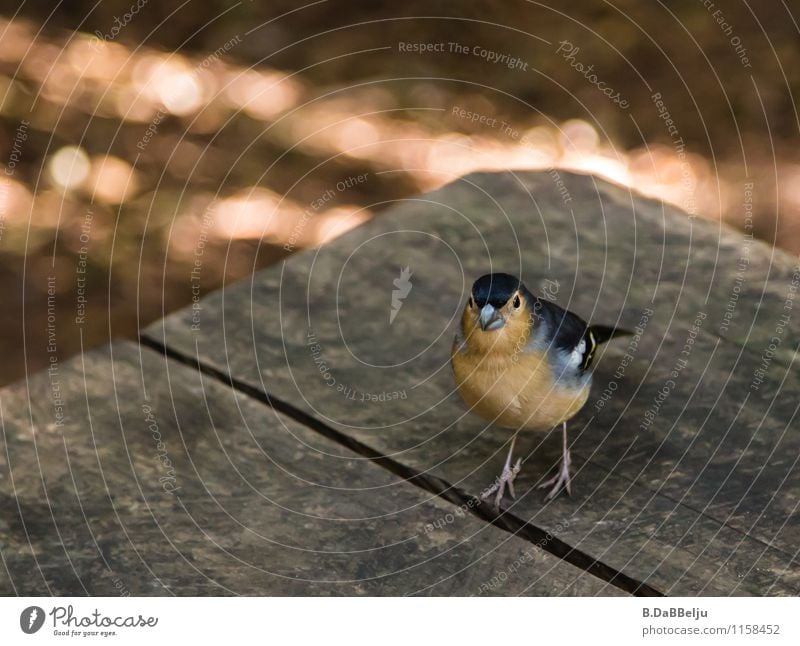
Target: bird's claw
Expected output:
[561,479]
[505,480]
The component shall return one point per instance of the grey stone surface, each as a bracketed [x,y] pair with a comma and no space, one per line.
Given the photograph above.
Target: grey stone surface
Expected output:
[700,501]
[163,481]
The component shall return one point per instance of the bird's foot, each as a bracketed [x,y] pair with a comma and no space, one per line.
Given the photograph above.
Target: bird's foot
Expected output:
[561,479]
[505,480]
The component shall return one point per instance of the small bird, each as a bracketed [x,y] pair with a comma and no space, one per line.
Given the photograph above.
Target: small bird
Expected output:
[523,363]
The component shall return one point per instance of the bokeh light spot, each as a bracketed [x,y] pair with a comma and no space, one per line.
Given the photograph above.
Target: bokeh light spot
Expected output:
[69,167]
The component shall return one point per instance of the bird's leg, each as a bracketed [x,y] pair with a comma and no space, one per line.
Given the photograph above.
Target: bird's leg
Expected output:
[506,478]
[561,479]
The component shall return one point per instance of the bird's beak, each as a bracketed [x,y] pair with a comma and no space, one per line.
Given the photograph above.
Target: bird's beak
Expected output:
[490,318]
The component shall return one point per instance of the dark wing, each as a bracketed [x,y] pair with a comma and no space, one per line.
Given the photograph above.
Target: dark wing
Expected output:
[574,341]
[567,333]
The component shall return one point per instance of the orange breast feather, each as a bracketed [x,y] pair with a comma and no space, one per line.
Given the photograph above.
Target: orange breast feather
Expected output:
[514,390]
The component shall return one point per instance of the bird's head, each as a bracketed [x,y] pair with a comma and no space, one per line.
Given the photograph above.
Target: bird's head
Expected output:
[498,315]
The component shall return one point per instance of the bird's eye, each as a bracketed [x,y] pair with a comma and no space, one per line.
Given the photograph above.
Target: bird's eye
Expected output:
[517,302]
[471,302]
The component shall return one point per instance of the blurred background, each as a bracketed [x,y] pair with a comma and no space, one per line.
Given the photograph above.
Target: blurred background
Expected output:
[154,151]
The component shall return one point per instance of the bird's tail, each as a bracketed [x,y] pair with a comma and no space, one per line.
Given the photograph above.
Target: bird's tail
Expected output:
[598,334]
[603,333]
